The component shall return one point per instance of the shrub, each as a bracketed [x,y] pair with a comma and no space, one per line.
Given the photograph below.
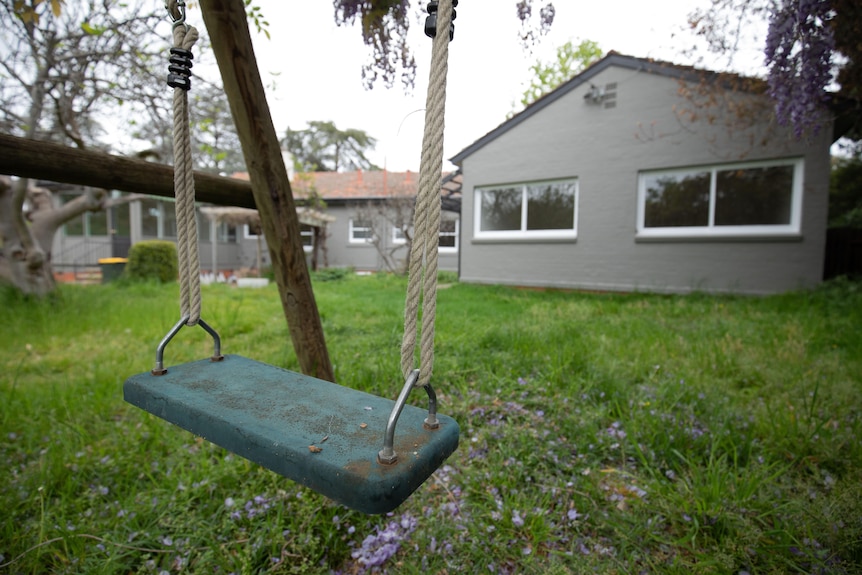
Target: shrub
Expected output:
[331,274]
[152,260]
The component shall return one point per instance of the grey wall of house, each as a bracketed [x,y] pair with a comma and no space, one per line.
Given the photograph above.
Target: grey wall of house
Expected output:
[79,250]
[341,252]
[605,148]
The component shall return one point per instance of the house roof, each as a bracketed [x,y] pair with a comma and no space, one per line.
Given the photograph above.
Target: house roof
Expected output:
[239,216]
[373,185]
[357,185]
[615,59]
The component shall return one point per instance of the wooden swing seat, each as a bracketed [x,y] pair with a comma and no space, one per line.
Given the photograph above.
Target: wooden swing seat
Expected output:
[317,433]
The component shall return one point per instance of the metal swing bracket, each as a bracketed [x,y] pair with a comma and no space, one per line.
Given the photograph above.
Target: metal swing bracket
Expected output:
[160,350]
[387,455]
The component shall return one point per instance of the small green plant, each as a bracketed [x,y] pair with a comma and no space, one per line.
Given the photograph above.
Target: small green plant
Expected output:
[331,274]
[153,260]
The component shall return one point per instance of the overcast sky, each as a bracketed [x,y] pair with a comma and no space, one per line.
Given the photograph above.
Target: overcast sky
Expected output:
[312,68]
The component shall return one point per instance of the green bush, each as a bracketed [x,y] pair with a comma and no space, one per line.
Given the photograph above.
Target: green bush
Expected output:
[152,260]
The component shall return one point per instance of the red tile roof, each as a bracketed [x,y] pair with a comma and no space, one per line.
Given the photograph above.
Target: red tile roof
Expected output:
[352,185]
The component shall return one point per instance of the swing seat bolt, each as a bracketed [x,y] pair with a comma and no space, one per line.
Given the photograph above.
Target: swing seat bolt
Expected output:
[387,457]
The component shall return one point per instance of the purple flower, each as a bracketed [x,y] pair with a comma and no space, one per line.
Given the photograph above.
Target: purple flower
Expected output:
[378,548]
[517,520]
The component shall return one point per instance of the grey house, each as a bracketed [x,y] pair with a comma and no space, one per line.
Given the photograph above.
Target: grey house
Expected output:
[348,219]
[642,175]
[373,214]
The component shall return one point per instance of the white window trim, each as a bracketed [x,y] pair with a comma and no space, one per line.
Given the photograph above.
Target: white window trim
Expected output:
[307,233]
[352,229]
[456,233]
[396,240]
[523,233]
[711,230]
[247,234]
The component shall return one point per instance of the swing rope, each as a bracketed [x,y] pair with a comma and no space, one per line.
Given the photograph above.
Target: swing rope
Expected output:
[184,38]
[422,278]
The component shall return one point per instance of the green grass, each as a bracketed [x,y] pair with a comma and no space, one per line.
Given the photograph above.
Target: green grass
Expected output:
[600,434]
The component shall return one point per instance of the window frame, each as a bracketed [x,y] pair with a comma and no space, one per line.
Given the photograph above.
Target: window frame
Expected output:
[247,233]
[352,229]
[523,233]
[711,230]
[306,231]
[399,238]
[455,234]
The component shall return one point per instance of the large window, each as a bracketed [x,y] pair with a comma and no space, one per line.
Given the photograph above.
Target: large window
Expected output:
[757,198]
[544,210]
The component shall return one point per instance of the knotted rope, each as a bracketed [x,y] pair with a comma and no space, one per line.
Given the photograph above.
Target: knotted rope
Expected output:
[184,37]
[422,277]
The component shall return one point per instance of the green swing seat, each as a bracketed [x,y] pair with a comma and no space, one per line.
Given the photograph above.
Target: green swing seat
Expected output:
[314,432]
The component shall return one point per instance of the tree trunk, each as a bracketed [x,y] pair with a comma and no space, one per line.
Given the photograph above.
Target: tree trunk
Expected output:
[227,25]
[22,262]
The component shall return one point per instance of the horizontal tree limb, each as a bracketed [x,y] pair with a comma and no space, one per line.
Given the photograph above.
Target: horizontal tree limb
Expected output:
[36,159]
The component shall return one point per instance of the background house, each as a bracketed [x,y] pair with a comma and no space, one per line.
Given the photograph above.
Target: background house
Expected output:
[642,175]
[373,217]
[348,219]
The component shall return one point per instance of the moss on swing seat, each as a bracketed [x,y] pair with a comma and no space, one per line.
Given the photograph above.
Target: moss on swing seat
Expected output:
[314,432]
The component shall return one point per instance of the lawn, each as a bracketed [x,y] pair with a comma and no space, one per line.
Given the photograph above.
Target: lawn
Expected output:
[600,433]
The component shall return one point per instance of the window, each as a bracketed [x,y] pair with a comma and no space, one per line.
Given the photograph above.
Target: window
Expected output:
[251,231]
[150,214]
[449,236]
[757,198]
[360,231]
[398,235]
[88,223]
[226,233]
[307,234]
[169,220]
[158,219]
[544,210]
[203,227]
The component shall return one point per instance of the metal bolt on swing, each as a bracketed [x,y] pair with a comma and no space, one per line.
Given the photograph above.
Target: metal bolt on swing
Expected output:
[180,69]
[387,455]
[431,20]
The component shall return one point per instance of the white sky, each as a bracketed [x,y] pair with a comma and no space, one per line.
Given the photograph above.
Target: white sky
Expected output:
[312,68]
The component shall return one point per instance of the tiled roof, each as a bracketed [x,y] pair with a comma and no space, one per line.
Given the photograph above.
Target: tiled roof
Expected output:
[353,185]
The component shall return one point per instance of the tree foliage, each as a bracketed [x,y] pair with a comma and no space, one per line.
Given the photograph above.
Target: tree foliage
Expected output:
[385,24]
[799,49]
[809,44]
[570,60]
[845,192]
[66,71]
[324,148]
